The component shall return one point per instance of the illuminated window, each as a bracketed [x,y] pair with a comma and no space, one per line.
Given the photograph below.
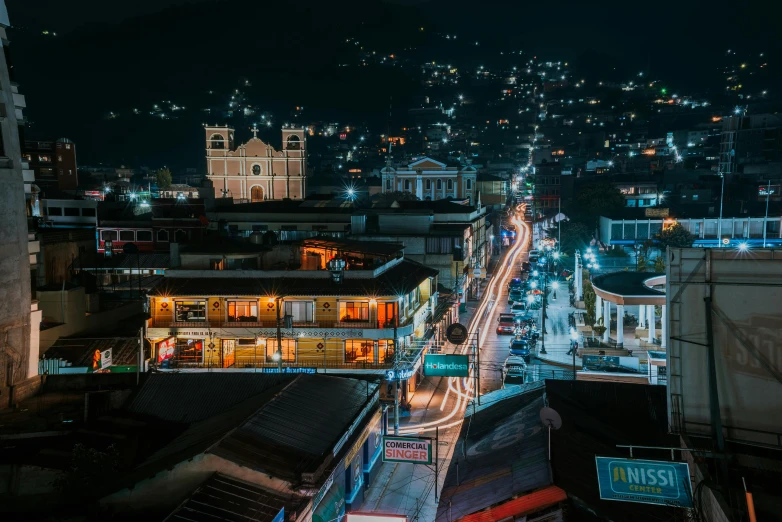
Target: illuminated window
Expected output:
[385,350]
[301,311]
[353,311]
[360,351]
[288,350]
[243,311]
[189,311]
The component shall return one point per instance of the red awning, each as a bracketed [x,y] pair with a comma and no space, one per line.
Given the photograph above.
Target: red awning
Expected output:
[525,505]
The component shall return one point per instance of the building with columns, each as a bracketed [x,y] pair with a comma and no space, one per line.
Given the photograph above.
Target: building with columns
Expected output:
[631,289]
[429,179]
[256,171]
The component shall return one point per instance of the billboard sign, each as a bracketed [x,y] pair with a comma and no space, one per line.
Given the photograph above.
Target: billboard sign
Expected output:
[374,517]
[644,481]
[101,360]
[446,365]
[414,450]
[165,349]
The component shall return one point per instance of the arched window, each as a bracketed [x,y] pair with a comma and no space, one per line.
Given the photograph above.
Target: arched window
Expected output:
[256,170]
[439,184]
[180,236]
[162,235]
[294,143]
[256,194]
[428,184]
[407,184]
[469,184]
[216,142]
[450,184]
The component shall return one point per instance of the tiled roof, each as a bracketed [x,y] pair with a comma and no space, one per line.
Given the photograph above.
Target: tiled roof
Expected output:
[505,457]
[398,280]
[223,498]
[295,431]
[192,397]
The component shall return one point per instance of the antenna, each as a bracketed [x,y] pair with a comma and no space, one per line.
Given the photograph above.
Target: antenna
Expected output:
[551,419]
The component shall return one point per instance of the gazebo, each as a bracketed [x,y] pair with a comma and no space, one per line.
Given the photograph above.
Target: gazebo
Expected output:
[629,289]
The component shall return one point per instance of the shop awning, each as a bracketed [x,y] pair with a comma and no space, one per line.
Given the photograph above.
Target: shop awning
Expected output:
[524,505]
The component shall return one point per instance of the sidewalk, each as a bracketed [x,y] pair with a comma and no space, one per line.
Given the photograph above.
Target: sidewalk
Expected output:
[558,333]
[408,489]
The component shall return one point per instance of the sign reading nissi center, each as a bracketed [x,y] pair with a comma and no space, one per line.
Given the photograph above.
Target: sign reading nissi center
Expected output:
[407,449]
[447,365]
[644,481]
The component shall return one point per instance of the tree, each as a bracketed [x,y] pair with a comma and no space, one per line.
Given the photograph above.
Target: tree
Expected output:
[390,197]
[163,178]
[659,264]
[590,298]
[595,200]
[674,236]
[574,235]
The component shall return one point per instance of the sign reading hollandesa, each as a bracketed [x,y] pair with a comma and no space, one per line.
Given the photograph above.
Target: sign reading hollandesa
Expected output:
[644,481]
[446,365]
[456,333]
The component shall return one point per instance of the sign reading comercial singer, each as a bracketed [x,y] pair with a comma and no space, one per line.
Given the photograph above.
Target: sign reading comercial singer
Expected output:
[407,449]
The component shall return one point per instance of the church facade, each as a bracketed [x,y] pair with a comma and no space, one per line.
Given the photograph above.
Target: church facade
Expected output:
[256,171]
[431,180]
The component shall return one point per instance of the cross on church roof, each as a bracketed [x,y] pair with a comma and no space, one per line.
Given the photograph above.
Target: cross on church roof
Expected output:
[255,130]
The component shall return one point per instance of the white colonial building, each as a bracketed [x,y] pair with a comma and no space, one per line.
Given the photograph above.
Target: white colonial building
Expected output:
[430,179]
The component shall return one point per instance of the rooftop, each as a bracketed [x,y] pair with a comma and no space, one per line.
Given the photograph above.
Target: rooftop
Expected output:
[628,284]
[401,278]
[352,246]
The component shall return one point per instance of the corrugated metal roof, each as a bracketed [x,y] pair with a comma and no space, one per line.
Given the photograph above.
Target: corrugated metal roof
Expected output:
[231,500]
[403,278]
[505,455]
[191,397]
[523,505]
[295,431]
[80,352]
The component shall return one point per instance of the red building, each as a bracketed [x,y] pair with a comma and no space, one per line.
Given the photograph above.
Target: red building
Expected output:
[54,163]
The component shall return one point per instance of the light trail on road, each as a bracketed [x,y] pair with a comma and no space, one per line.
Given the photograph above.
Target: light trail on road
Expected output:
[485,310]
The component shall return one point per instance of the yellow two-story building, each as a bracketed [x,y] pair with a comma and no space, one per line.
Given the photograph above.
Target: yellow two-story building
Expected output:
[328,320]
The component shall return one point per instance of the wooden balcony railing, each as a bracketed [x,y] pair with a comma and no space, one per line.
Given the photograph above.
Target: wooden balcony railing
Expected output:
[269,324]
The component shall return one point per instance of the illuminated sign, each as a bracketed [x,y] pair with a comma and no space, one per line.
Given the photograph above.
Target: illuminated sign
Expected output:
[399,375]
[407,449]
[374,517]
[447,365]
[644,481]
[165,349]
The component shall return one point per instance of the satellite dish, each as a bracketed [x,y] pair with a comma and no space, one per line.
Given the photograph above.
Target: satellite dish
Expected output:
[550,418]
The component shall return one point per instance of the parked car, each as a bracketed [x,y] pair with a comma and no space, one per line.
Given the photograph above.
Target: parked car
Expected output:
[518,309]
[506,324]
[514,369]
[520,347]
[515,296]
[526,266]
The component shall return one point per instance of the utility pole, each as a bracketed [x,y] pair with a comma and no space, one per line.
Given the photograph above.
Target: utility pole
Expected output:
[765,221]
[279,337]
[543,314]
[396,382]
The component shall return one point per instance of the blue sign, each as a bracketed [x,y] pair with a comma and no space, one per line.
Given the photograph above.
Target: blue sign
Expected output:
[280,517]
[399,375]
[289,369]
[644,481]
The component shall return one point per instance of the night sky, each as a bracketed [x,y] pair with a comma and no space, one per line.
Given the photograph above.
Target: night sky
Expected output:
[129,53]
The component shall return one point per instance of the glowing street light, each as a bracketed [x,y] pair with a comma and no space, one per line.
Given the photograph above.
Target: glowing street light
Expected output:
[555,285]
[533,284]
[743,247]
[555,255]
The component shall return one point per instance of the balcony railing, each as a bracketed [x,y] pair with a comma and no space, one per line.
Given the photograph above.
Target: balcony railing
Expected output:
[268,324]
[261,362]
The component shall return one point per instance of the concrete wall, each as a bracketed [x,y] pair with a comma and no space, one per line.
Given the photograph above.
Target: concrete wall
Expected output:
[14,256]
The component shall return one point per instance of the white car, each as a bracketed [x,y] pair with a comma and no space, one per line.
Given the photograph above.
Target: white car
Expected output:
[515,367]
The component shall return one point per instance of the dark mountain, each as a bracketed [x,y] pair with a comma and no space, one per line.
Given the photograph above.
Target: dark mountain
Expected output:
[291,56]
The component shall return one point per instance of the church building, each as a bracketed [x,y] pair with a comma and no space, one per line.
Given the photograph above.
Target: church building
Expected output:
[256,171]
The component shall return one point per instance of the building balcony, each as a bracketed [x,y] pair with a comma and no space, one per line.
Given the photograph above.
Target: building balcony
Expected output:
[262,364]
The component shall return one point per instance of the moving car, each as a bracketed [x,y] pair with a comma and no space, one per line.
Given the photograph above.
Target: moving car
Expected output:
[515,283]
[507,324]
[515,295]
[514,369]
[526,266]
[520,347]
[518,309]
